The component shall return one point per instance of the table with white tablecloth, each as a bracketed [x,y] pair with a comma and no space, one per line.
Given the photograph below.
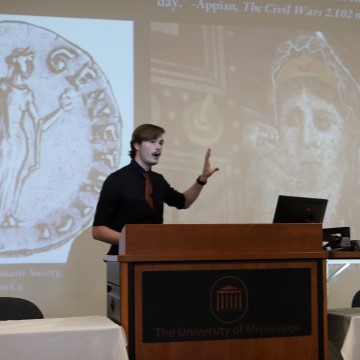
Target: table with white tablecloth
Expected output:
[72,338]
[344,334]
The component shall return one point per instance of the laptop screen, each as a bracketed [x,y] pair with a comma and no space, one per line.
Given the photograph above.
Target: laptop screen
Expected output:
[293,209]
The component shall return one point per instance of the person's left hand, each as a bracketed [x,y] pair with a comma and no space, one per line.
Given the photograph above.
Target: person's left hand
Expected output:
[207,169]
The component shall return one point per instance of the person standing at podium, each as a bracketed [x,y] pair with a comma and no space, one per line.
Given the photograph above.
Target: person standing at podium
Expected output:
[127,197]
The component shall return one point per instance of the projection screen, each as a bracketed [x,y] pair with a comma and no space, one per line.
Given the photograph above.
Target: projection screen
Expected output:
[271,87]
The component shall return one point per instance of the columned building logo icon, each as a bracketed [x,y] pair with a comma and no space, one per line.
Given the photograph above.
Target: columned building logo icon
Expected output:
[228,299]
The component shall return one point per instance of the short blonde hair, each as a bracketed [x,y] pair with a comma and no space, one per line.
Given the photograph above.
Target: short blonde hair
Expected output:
[144,132]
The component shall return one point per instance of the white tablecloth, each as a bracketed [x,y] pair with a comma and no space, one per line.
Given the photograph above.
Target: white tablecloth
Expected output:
[344,334]
[73,338]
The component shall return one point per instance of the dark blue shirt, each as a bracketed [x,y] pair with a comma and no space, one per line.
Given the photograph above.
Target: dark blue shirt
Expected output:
[122,199]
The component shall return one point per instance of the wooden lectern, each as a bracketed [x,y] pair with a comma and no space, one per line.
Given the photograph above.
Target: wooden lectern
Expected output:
[220,291]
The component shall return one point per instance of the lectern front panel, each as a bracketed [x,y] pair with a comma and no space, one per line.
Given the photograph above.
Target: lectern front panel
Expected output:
[219,310]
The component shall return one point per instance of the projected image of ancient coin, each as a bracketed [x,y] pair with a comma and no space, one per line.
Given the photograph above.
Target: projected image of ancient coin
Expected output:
[59,137]
[203,122]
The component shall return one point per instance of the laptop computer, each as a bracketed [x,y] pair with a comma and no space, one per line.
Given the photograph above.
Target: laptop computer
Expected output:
[295,209]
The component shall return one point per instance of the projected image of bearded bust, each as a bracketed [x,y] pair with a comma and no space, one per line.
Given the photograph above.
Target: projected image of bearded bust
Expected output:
[308,145]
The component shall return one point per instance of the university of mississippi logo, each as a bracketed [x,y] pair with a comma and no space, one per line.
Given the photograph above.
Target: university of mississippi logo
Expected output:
[228,299]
